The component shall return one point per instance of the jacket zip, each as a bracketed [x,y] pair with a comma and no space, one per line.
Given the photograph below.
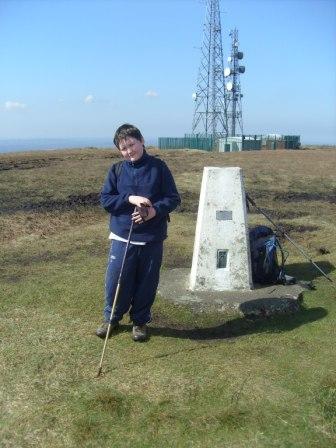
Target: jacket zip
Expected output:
[135,183]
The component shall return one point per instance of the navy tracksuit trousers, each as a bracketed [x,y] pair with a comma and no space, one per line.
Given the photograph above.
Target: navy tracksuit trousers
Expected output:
[139,280]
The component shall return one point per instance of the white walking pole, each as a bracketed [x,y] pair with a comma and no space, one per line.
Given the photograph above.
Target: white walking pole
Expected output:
[115,300]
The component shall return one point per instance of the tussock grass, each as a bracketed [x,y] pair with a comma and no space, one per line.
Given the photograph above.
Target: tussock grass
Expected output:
[202,380]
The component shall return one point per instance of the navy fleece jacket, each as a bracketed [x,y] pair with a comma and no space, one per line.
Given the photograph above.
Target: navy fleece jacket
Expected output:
[148,177]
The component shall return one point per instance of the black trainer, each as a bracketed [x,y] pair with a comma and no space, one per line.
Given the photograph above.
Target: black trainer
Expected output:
[139,333]
[102,330]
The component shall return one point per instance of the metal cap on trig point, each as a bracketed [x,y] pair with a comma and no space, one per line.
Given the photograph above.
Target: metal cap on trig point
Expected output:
[221,258]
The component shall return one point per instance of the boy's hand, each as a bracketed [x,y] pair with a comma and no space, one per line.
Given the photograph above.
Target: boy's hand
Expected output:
[143,214]
[139,201]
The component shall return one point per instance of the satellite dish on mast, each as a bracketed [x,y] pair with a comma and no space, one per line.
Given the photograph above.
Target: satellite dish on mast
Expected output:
[229,86]
[227,71]
[194,96]
[242,69]
[240,55]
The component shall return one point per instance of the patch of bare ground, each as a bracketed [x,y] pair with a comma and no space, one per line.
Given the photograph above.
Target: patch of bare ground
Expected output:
[28,164]
[71,202]
[281,213]
[295,196]
[297,228]
[291,196]
[48,217]
[40,159]
[45,223]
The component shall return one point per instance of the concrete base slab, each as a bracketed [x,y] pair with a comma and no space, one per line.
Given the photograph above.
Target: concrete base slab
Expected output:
[261,301]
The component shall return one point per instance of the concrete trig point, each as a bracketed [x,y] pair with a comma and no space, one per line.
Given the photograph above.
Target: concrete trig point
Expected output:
[221,258]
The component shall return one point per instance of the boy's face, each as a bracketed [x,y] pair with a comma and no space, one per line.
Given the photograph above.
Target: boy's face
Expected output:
[131,148]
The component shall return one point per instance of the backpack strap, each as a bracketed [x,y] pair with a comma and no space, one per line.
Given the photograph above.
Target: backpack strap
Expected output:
[284,256]
[117,167]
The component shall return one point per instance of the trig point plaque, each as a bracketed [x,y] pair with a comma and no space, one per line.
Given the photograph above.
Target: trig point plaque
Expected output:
[221,258]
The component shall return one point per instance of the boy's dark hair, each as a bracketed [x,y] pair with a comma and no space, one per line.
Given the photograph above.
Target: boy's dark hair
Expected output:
[124,131]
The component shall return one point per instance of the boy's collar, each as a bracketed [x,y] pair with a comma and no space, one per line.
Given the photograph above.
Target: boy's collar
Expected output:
[139,161]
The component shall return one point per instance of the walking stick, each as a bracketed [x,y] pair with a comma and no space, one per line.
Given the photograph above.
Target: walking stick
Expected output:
[252,202]
[115,299]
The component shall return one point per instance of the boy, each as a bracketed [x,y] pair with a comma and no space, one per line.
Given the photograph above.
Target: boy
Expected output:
[141,189]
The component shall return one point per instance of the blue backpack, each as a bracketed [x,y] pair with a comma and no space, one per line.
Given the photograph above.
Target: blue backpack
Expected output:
[267,266]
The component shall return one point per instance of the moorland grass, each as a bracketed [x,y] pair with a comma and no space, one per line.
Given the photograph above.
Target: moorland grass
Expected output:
[202,380]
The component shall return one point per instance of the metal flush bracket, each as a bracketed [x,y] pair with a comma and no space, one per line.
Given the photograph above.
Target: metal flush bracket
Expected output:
[222,258]
[224,215]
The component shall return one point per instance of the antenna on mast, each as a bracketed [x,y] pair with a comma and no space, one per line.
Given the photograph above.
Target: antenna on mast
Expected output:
[233,93]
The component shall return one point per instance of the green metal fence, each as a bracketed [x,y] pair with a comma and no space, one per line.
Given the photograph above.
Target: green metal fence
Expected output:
[248,142]
[186,142]
[251,142]
[292,141]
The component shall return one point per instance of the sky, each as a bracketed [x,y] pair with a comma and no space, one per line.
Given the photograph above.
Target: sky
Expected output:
[80,68]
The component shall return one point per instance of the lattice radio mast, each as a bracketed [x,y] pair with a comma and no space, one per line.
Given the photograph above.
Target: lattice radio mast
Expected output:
[210,102]
[232,88]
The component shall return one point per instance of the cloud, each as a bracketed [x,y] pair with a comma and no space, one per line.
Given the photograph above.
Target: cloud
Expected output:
[88,99]
[152,93]
[14,105]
